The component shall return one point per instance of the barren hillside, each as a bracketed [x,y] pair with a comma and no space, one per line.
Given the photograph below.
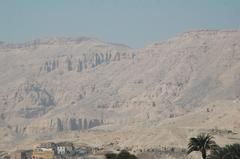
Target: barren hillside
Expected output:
[97,92]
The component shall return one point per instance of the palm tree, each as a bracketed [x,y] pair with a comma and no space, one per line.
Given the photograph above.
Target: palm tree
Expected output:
[227,152]
[202,143]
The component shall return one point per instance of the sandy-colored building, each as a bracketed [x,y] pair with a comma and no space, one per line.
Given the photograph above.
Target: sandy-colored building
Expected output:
[43,153]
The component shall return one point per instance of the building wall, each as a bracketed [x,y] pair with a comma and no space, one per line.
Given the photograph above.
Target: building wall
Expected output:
[61,150]
[43,154]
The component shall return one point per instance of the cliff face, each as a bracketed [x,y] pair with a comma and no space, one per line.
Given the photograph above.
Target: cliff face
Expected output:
[85,61]
[55,125]
[62,84]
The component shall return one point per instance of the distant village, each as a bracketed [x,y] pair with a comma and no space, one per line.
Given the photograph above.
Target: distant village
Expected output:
[67,150]
[62,150]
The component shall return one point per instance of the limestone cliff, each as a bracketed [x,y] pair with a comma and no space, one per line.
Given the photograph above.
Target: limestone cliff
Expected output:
[59,85]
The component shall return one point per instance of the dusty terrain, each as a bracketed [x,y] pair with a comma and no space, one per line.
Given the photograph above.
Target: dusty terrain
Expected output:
[89,91]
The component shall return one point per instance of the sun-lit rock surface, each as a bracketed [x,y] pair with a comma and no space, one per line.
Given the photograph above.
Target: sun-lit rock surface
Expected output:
[148,97]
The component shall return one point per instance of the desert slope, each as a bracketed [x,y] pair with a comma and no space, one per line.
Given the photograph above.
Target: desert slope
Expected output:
[63,86]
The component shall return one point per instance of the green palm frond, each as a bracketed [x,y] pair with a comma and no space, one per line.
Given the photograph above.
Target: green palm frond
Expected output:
[193,145]
[202,143]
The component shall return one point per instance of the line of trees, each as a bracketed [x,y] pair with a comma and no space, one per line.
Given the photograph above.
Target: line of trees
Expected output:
[205,143]
[122,155]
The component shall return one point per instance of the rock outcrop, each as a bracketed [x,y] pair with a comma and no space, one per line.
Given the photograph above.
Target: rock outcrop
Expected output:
[90,60]
[74,124]
[56,125]
[35,94]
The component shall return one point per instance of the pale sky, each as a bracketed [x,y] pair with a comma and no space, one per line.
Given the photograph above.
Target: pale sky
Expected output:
[136,23]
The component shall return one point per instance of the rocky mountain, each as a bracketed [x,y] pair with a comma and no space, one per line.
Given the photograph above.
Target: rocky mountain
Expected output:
[56,86]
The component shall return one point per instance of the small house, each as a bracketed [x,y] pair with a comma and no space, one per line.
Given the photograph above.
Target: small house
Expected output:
[61,150]
[65,148]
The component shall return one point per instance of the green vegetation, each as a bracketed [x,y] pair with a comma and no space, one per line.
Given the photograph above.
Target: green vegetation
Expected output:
[227,152]
[111,156]
[202,143]
[122,155]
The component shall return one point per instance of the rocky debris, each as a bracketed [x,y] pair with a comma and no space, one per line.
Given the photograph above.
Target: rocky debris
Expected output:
[217,131]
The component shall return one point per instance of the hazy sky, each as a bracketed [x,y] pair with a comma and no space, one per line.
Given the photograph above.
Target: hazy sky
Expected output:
[132,22]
